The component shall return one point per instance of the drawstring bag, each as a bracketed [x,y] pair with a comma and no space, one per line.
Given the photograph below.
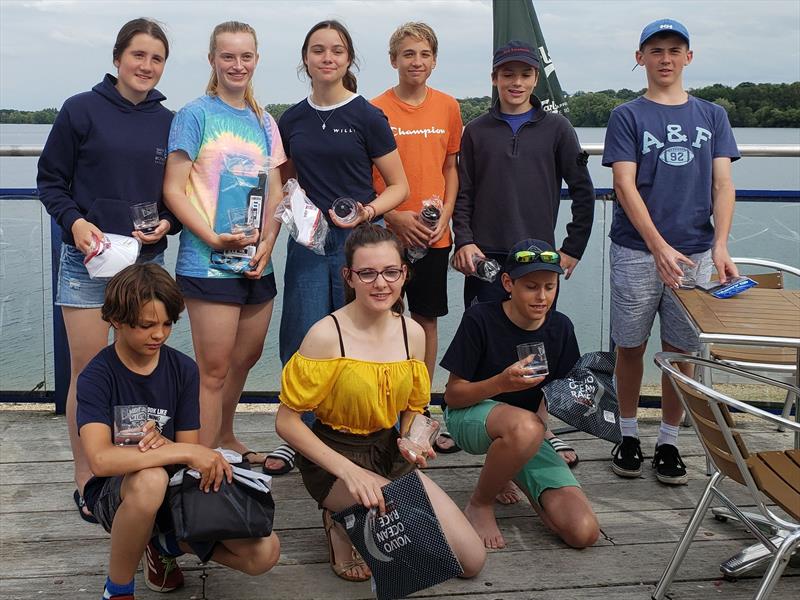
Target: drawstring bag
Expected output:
[239,510]
[406,549]
[586,398]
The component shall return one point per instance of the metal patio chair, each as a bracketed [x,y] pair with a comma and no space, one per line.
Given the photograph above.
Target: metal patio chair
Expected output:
[773,474]
[782,361]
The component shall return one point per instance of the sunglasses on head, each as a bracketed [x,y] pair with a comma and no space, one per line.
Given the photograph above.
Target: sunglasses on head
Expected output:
[550,257]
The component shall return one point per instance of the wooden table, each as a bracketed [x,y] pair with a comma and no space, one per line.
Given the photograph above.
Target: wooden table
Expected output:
[759,317]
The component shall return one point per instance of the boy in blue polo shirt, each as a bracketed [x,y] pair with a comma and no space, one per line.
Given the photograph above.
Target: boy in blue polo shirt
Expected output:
[142,302]
[495,407]
[671,154]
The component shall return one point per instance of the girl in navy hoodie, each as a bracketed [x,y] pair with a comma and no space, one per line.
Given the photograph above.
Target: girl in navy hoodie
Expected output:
[105,152]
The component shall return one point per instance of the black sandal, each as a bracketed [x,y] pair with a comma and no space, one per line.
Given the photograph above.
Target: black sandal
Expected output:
[442,450]
[81,504]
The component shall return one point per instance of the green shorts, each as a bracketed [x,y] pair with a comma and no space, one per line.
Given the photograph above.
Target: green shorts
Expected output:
[545,471]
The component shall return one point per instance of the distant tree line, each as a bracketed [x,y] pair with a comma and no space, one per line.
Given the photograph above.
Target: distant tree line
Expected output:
[748,105]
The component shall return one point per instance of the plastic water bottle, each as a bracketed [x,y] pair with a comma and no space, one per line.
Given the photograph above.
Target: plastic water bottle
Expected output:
[429,216]
[486,269]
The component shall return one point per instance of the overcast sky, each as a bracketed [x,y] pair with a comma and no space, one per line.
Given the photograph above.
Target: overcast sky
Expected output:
[51,49]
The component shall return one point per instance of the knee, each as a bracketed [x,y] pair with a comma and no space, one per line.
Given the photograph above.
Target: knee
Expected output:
[212,376]
[526,432]
[582,533]
[473,561]
[145,489]
[249,360]
[263,558]
[634,353]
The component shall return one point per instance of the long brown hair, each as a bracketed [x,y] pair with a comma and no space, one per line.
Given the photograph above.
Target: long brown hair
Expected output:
[369,234]
[134,28]
[213,82]
[349,80]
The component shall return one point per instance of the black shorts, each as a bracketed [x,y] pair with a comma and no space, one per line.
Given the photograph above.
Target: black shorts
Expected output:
[104,496]
[233,290]
[426,288]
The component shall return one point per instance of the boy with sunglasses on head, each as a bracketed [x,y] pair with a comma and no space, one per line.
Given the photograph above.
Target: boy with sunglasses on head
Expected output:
[512,162]
[495,406]
[671,155]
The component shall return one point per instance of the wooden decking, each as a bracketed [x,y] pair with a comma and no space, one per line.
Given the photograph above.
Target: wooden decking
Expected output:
[48,552]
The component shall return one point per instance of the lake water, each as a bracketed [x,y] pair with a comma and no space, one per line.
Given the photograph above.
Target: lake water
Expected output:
[765,230]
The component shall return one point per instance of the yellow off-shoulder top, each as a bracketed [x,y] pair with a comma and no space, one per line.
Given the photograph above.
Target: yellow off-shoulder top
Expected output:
[352,395]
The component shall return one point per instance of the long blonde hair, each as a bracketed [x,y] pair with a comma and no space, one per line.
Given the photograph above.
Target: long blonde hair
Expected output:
[213,82]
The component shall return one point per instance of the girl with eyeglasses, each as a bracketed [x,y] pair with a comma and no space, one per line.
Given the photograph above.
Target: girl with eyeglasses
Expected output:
[357,376]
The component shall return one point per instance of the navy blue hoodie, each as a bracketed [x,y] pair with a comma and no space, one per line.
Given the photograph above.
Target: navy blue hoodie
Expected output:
[104,154]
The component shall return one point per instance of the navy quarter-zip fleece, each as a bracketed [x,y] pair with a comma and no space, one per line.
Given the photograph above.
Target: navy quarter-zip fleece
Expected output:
[510,185]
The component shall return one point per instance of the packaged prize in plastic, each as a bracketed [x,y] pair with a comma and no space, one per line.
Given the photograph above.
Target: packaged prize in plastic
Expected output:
[727,290]
[243,184]
[305,222]
[111,254]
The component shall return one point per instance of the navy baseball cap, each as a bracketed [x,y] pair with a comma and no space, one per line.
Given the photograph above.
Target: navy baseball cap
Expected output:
[663,26]
[515,51]
[517,269]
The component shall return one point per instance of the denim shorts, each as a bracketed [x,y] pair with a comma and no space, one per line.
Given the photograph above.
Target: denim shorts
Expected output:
[637,294]
[546,470]
[76,289]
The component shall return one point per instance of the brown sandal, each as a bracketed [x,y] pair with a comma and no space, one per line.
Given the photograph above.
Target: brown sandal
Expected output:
[340,569]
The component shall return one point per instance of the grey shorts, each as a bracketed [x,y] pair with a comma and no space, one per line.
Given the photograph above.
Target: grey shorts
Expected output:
[109,499]
[637,294]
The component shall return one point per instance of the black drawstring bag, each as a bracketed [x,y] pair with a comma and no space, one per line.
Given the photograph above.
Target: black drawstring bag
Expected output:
[241,509]
[406,549]
[586,398]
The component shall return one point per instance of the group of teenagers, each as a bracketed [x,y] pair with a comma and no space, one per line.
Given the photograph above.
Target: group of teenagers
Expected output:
[355,369]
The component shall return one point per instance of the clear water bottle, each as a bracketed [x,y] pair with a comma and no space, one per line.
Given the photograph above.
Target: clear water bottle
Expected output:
[486,269]
[429,216]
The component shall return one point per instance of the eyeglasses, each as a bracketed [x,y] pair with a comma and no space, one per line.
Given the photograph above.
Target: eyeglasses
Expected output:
[550,257]
[390,274]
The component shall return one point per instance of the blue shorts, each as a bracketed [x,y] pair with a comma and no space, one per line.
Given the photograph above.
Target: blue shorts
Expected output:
[637,294]
[76,289]
[546,470]
[232,290]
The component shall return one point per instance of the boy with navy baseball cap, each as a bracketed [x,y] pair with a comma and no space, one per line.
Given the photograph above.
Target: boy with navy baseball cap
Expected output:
[495,404]
[671,157]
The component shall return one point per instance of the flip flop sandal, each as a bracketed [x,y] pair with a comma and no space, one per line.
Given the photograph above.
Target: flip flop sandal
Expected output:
[441,450]
[252,453]
[561,446]
[81,504]
[284,453]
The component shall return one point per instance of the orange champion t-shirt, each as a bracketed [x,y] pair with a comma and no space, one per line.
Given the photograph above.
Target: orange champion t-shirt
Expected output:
[425,135]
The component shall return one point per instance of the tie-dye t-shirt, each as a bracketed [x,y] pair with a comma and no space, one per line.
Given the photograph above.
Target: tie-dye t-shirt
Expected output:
[228,147]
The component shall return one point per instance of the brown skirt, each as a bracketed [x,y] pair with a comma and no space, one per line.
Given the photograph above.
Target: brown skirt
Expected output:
[377,452]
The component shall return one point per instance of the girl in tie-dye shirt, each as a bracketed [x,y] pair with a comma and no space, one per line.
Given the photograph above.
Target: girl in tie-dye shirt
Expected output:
[219,144]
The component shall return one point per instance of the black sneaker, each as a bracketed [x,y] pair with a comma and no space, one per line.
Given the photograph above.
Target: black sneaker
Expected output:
[669,466]
[628,457]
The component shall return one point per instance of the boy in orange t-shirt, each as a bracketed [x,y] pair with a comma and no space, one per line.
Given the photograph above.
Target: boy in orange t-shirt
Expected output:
[427,128]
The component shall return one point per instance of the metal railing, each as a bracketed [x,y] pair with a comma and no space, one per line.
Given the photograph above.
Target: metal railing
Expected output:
[60,349]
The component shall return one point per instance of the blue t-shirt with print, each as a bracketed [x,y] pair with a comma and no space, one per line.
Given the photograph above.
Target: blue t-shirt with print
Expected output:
[674,148]
[486,341]
[170,392]
[332,148]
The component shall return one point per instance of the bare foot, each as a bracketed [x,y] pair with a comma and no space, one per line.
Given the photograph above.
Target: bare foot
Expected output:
[482,520]
[444,442]
[510,494]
